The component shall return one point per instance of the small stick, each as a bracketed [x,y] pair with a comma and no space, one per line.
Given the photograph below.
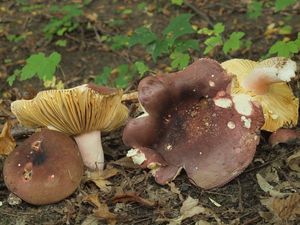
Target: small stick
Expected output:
[132,96]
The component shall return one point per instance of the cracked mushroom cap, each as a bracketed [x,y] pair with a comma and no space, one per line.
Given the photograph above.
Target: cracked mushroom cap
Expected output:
[44,169]
[265,82]
[73,111]
[195,125]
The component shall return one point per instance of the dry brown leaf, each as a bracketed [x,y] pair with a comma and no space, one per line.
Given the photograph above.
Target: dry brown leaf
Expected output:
[294,161]
[190,207]
[100,178]
[7,142]
[91,16]
[284,208]
[125,162]
[101,210]
[175,190]
[268,188]
[133,197]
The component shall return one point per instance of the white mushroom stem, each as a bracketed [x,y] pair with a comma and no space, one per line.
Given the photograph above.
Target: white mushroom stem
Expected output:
[91,150]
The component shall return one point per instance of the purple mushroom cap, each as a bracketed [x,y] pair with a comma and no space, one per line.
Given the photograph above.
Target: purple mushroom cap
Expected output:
[194,124]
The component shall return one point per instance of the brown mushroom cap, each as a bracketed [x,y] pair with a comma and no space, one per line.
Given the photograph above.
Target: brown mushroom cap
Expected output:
[198,126]
[44,169]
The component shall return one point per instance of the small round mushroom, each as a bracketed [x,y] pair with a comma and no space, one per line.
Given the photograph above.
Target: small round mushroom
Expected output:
[284,136]
[195,125]
[265,83]
[44,169]
[84,112]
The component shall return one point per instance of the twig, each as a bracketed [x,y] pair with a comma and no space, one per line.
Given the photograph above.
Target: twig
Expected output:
[267,163]
[252,221]
[241,207]
[201,14]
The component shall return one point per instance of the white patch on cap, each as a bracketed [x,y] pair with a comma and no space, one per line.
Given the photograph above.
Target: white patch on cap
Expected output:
[247,121]
[231,125]
[242,104]
[223,102]
[287,71]
[211,83]
[137,156]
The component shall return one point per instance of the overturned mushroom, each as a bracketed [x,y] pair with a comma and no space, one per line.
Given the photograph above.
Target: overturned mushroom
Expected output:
[195,125]
[44,169]
[84,112]
[265,82]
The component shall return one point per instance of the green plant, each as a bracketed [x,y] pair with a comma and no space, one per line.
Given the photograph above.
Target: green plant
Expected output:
[216,38]
[37,65]
[66,22]
[121,75]
[177,2]
[16,38]
[173,42]
[254,9]
[282,4]
[285,48]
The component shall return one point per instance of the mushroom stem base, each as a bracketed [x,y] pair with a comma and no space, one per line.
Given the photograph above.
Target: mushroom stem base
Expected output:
[90,147]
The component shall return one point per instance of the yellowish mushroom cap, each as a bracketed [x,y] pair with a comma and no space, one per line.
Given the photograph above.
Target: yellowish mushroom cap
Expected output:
[265,82]
[73,111]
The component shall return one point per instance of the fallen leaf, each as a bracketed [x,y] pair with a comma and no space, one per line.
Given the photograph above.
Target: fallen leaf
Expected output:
[90,220]
[7,142]
[202,222]
[215,202]
[100,178]
[175,190]
[283,208]
[125,162]
[190,207]
[294,161]
[133,197]
[91,16]
[268,188]
[101,210]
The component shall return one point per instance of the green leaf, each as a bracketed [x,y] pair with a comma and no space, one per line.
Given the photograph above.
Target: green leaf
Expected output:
[183,46]
[205,31]
[143,36]
[178,27]
[254,9]
[218,28]
[61,43]
[287,29]
[122,78]
[211,43]
[177,2]
[158,48]
[179,60]
[103,78]
[284,49]
[233,43]
[282,4]
[11,79]
[141,67]
[40,65]
[119,42]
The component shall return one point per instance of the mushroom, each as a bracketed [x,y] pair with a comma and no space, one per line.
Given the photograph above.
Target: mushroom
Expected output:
[193,123]
[284,136]
[265,82]
[44,169]
[84,112]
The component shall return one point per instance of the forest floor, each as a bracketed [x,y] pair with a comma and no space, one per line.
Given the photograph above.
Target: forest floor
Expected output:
[132,195]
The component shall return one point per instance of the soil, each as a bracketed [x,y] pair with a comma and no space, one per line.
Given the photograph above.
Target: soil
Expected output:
[238,202]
